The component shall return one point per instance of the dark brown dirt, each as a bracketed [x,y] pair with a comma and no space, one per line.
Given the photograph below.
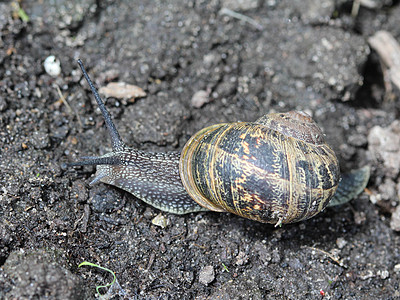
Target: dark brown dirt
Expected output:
[305,55]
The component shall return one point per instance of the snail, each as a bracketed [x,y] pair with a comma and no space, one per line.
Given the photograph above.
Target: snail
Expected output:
[277,170]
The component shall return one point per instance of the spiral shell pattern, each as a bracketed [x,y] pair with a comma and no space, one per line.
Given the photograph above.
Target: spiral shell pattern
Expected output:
[278,169]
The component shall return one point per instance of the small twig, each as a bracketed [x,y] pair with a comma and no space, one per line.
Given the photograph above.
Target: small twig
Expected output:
[70,109]
[62,98]
[227,11]
[151,260]
[355,8]
[200,246]
[357,3]
[369,3]
[85,217]
[331,256]
[388,50]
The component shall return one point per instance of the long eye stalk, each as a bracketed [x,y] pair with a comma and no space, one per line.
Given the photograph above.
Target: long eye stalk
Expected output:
[117,143]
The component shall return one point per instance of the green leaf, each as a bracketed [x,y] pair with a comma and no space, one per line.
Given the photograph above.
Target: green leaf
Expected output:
[23,16]
[225,267]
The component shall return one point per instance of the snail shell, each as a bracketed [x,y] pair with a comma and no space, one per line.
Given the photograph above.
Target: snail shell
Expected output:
[277,169]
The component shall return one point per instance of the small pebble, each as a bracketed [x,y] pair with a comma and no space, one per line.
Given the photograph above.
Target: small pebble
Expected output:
[384,274]
[395,221]
[206,275]
[3,104]
[341,242]
[387,190]
[242,258]
[52,66]
[396,268]
[358,140]
[200,98]
[384,145]
[160,221]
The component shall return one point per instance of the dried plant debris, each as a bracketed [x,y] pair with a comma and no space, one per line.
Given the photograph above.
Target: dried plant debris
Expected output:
[122,90]
[388,50]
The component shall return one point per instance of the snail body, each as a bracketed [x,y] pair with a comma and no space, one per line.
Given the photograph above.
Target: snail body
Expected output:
[278,169]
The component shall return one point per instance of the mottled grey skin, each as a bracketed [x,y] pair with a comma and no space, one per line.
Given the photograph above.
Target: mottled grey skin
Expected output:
[155,177]
[350,186]
[151,177]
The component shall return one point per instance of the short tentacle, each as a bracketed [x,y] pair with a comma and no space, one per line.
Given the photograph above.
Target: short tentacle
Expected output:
[94,161]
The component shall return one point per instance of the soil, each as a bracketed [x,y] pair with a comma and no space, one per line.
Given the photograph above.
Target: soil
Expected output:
[269,56]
